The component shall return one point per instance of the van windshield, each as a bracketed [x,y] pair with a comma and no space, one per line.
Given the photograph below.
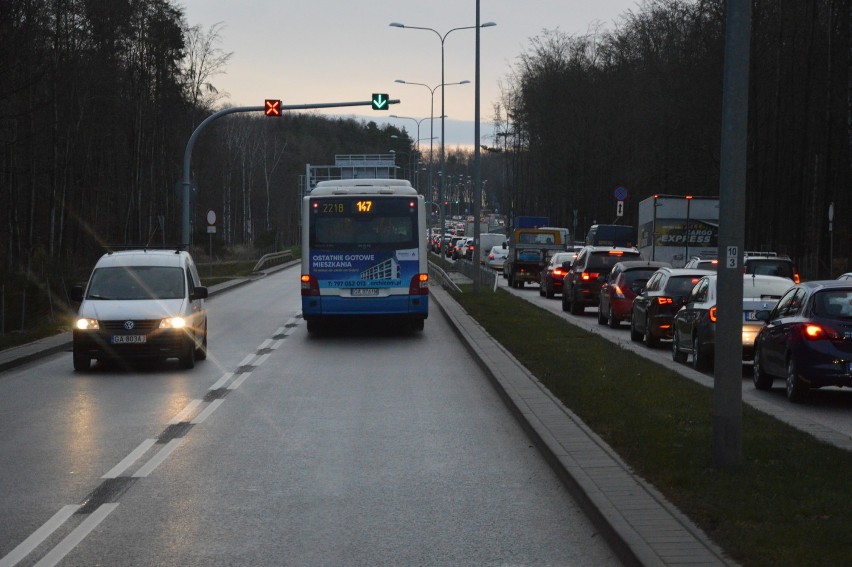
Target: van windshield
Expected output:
[137,282]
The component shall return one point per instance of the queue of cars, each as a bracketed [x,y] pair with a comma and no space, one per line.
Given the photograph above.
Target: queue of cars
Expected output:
[800,332]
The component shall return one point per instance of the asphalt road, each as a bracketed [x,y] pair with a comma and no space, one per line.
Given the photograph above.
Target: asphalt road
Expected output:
[365,447]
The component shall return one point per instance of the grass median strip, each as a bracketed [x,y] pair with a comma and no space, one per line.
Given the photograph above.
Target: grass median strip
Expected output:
[789,502]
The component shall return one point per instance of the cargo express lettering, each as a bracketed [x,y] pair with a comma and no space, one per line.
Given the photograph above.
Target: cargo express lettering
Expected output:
[695,237]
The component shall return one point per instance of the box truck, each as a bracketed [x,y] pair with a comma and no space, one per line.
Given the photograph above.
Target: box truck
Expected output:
[674,228]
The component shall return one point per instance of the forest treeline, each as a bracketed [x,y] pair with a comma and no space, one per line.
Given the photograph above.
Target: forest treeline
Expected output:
[640,106]
[98,99]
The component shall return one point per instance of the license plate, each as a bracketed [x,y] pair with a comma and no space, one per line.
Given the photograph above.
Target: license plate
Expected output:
[128,339]
[750,315]
[365,291]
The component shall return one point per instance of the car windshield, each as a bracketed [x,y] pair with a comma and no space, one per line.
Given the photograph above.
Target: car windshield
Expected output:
[137,282]
[834,303]
[764,288]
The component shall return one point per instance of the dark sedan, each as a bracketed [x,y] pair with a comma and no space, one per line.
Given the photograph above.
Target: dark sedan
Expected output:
[654,308]
[806,339]
[624,283]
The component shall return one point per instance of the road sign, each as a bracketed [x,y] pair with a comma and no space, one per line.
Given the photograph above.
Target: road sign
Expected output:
[619,209]
[272,107]
[380,101]
[620,193]
[211,217]
[733,255]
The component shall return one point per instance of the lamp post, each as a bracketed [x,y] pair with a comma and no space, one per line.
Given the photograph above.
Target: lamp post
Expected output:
[432,116]
[442,38]
[417,144]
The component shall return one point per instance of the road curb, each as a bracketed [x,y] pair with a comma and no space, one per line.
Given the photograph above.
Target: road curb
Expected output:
[641,526]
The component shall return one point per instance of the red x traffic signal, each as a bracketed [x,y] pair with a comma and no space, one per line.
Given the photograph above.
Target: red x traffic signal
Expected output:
[272,107]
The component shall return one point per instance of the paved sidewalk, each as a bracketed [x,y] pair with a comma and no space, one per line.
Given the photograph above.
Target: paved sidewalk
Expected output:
[636,519]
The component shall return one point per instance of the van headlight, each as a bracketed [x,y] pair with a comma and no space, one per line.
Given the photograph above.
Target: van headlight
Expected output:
[173,323]
[87,324]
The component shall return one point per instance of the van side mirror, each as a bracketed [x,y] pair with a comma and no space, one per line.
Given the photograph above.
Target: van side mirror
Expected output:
[199,292]
[77,292]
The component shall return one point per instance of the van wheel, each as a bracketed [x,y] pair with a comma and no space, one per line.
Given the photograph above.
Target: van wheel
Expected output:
[187,359]
[82,362]
[201,352]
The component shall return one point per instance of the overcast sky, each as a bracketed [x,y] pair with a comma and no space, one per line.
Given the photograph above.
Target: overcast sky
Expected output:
[324,51]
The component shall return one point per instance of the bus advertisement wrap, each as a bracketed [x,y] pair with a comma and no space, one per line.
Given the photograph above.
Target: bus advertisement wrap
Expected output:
[380,269]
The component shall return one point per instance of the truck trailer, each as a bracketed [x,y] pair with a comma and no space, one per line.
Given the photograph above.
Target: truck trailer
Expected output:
[674,228]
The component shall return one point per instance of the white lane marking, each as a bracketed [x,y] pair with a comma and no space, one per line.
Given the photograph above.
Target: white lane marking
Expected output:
[276,344]
[262,359]
[157,459]
[185,412]
[238,382]
[73,539]
[130,459]
[289,331]
[264,344]
[222,381]
[26,547]
[246,360]
[279,330]
[207,411]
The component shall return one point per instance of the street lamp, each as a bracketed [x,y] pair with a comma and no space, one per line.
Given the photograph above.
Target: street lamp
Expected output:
[417,145]
[442,38]
[432,114]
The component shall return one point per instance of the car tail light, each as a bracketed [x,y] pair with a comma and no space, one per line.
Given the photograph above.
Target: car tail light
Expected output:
[491,256]
[618,293]
[795,277]
[586,276]
[712,314]
[664,301]
[310,285]
[558,272]
[616,253]
[419,285]
[815,332]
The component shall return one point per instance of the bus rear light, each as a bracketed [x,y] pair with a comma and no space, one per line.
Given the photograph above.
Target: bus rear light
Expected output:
[310,286]
[419,285]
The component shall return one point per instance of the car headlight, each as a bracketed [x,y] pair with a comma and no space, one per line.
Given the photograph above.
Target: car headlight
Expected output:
[173,323]
[87,324]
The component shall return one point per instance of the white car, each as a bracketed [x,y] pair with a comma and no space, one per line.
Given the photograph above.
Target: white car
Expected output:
[497,257]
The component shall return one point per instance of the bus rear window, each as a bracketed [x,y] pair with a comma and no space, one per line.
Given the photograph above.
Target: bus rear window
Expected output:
[363,223]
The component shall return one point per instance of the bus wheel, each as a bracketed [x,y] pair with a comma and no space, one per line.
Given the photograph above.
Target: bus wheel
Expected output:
[314,327]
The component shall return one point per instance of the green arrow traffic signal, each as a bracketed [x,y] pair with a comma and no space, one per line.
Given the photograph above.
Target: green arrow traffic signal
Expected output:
[380,101]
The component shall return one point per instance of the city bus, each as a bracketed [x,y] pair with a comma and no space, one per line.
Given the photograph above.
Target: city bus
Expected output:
[364,252]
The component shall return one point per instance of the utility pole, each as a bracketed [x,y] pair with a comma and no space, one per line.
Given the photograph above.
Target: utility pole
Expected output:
[727,385]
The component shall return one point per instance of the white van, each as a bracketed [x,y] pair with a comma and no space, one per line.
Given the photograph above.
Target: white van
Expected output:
[141,304]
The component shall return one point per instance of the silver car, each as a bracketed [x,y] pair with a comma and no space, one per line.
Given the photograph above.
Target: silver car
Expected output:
[497,257]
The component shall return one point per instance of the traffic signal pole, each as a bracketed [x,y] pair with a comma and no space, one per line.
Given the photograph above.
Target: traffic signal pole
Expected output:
[379,102]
